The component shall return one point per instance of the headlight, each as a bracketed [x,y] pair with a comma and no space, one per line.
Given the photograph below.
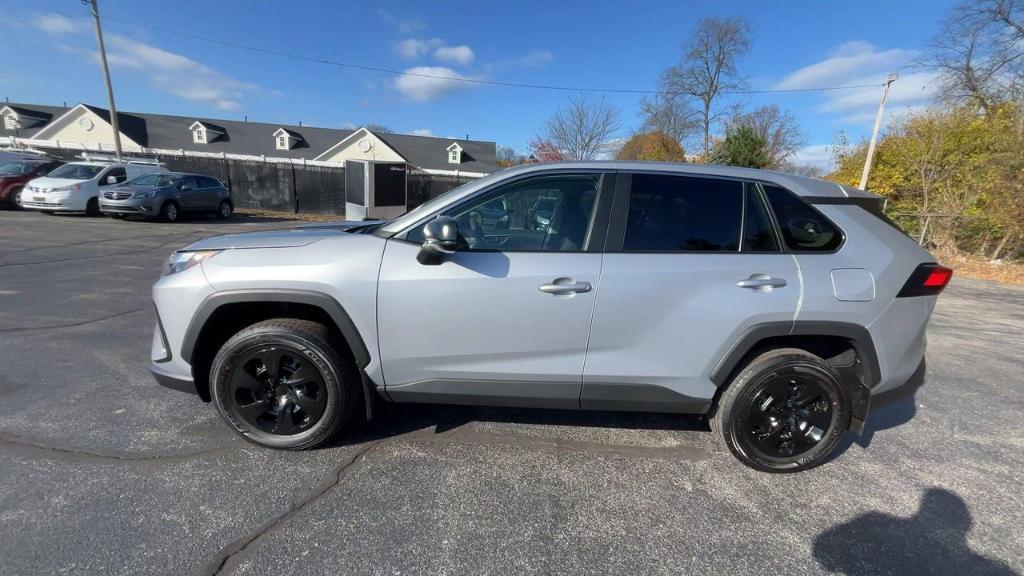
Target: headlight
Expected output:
[185,259]
[71,188]
[149,194]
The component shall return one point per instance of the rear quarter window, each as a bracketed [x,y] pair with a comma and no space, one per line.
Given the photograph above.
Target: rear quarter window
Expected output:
[803,228]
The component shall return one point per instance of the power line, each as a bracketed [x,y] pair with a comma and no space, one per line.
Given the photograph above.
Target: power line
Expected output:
[463,79]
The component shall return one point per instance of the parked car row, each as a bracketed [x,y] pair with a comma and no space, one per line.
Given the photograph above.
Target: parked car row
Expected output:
[116,188]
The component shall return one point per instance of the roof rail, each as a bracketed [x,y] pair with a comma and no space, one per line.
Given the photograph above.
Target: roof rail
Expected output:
[100,157]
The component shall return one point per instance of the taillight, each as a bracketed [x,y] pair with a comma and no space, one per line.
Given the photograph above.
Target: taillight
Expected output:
[927,280]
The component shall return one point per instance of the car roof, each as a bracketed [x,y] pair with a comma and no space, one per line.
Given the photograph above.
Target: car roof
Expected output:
[801,185]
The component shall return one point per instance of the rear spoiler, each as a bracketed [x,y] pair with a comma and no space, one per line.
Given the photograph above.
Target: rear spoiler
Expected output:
[873,204]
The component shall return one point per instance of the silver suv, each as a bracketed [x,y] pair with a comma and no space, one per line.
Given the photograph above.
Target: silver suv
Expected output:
[780,307]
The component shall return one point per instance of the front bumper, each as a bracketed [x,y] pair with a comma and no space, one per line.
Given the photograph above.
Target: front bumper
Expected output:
[50,206]
[133,207]
[170,380]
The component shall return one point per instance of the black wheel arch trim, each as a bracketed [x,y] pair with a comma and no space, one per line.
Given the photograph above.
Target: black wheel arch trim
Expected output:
[309,297]
[858,335]
[863,345]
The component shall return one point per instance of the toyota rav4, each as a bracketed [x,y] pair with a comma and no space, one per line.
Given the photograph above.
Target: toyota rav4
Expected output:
[780,307]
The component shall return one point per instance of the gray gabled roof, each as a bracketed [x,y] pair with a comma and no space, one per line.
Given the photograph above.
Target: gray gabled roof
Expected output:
[44,113]
[168,132]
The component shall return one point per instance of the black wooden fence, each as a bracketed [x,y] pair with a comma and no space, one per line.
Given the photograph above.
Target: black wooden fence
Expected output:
[421,186]
[286,187]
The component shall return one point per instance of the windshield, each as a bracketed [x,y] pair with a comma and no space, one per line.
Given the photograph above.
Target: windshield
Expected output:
[77,171]
[156,180]
[17,168]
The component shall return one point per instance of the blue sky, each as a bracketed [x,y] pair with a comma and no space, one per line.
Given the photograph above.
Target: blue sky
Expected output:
[796,44]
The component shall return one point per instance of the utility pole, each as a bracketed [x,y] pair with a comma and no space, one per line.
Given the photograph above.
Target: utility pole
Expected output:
[95,9]
[874,133]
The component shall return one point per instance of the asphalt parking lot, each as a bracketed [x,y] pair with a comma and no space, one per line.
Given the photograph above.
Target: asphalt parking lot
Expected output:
[104,472]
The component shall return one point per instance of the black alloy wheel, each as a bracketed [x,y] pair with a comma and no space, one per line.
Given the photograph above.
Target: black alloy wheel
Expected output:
[784,412]
[277,390]
[789,416]
[283,383]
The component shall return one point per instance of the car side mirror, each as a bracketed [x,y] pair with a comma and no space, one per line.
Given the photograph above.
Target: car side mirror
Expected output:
[111,180]
[441,238]
[185,187]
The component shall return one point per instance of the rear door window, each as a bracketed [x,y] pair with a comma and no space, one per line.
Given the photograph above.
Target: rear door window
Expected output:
[669,213]
[207,182]
[758,235]
[803,228]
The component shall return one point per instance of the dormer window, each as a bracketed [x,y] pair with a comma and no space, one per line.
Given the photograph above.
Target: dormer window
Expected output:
[286,139]
[455,153]
[205,132]
[10,122]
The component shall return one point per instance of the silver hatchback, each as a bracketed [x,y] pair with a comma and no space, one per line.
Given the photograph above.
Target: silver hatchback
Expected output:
[782,308]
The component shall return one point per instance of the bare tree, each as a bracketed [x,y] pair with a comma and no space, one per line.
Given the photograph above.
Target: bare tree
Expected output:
[378,128]
[778,128]
[709,66]
[670,115]
[509,157]
[980,51]
[582,129]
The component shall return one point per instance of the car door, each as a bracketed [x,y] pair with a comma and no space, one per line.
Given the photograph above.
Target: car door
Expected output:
[691,262]
[505,319]
[209,192]
[190,196]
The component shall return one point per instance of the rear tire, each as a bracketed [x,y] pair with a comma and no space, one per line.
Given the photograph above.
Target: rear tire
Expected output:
[784,412]
[281,383]
[92,207]
[169,211]
[15,198]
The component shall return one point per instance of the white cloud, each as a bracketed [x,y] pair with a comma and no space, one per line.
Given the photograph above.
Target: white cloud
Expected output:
[404,25]
[819,155]
[423,83]
[55,24]
[177,74]
[412,48]
[862,63]
[455,54]
[422,132]
[910,88]
[850,61]
[535,58]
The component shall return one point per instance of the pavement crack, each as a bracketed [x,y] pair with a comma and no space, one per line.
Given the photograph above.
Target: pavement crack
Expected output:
[35,449]
[231,555]
[71,324]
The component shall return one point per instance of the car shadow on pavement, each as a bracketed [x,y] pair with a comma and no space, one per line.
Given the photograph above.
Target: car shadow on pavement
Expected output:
[892,415]
[391,420]
[932,541]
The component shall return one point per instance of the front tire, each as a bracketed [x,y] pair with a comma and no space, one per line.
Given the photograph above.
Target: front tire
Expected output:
[92,207]
[169,211]
[784,412]
[281,383]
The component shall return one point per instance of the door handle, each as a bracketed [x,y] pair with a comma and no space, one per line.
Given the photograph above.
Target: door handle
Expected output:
[764,281]
[563,286]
